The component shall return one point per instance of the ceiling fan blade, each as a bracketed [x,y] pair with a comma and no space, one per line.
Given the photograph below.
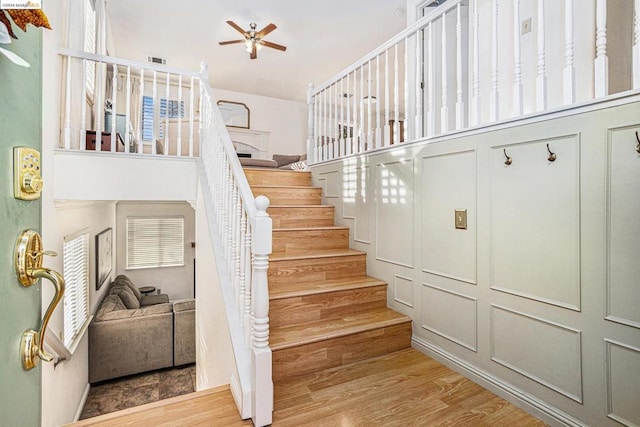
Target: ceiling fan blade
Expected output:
[254,51]
[266,30]
[237,28]
[230,42]
[273,45]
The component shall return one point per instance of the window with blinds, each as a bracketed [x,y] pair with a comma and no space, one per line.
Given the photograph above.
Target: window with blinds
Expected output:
[76,294]
[90,46]
[175,110]
[154,242]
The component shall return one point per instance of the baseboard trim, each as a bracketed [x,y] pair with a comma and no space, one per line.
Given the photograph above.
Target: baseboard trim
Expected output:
[549,414]
[83,400]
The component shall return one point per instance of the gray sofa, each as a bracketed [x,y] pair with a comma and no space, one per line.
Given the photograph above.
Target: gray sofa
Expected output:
[127,337]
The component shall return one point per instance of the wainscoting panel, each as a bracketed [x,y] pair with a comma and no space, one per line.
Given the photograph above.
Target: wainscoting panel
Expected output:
[535,220]
[403,290]
[623,227]
[450,315]
[448,184]
[330,182]
[356,195]
[623,387]
[543,351]
[394,212]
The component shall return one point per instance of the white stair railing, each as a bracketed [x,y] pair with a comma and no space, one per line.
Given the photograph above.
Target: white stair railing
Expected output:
[241,235]
[129,107]
[446,73]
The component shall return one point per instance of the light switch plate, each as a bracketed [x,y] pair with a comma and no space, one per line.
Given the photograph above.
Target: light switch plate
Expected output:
[461,219]
[526,26]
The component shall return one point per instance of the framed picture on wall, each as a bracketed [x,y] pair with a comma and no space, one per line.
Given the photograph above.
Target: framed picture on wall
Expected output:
[104,258]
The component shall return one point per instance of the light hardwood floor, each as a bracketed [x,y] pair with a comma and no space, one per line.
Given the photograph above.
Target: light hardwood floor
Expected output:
[404,388]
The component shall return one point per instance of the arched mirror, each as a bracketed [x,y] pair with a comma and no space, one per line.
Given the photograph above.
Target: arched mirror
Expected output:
[234,114]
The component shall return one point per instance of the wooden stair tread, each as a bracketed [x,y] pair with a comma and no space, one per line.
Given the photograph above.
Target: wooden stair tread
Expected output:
[314,253]
[307,333]
[326,227]
[290,290]
[296,187]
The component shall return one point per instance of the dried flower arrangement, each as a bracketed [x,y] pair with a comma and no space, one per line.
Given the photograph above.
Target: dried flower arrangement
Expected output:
[21,18]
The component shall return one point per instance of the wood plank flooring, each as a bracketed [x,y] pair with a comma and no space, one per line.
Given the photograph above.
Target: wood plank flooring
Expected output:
[404,388]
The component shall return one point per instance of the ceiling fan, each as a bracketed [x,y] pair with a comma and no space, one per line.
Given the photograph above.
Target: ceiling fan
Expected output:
[253,40]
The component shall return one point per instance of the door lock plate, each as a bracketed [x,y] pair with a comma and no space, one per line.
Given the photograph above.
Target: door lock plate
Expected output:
[27,177]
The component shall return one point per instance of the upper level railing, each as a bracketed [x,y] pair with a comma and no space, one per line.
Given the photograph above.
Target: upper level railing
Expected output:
[130,107]
[469,63]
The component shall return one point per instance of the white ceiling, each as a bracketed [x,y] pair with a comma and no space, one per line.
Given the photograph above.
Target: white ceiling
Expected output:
[322,37]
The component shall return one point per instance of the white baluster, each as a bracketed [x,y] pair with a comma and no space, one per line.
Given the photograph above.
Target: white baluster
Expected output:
[418,86]
[191,120]
[517,63]
[114,109]
[406,67]
[396,96]
[262,387]
[166,115]
[347,151]
[431,112]
[67,107]
[362,137]
[341,140]
[127,115]
[180,113]
[83,108]
[139,130]
[310,124]
[475,96]
[156,113]
[98,107]
[636,44]
[387,128]
[246,262]
[569,72]
[601,64]
[369,110]
[378,137]
[494,95]
[460,118]
[325,116]
[541,80]
[444,108]
[329,121]
[356,131]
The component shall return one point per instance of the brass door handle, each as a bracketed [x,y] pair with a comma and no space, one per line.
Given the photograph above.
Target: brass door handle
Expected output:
[28,265]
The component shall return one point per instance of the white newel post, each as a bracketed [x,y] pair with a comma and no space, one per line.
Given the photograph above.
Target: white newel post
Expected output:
[310,122]
[636,44]
[494,95]
[262,383]
[601,64]
[475,96]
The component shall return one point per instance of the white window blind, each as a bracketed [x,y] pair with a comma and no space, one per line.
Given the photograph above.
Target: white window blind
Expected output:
[176,110]
[90,45]
[76,277]
[155,242]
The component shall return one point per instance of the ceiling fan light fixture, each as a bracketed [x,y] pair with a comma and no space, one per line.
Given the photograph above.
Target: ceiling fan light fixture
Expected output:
[369,100]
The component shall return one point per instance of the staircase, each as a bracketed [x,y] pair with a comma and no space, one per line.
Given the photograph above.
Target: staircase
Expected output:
[324,309]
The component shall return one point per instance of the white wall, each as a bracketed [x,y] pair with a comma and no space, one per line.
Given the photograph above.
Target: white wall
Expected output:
[177,282]
[285,120]
[537,298]
[58,221]
[214,355]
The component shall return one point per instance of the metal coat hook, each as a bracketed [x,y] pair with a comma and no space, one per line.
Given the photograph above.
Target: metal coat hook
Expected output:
[508,160]
[552,156]
[638,146]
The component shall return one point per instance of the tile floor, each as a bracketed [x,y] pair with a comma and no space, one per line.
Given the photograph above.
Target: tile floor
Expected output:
[135,390]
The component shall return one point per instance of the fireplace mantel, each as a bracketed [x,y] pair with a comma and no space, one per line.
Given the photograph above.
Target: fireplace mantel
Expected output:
[255,142]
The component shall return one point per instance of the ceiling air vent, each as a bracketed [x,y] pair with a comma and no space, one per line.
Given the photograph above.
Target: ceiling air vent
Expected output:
[156,60]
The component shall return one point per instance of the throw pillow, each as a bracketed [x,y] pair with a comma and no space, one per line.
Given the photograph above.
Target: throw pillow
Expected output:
[122,279]
[126,295]
[282,159]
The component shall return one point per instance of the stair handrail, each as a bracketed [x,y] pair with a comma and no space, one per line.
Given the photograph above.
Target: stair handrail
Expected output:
[241,235]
